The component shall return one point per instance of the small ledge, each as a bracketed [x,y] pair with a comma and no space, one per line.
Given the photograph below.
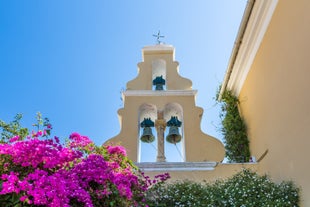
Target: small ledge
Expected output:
[176,166]
[160,93]
[158,47]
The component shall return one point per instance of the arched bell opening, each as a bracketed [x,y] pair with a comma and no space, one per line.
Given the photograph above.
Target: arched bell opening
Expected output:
[147,143]
[159,74]
[174,139]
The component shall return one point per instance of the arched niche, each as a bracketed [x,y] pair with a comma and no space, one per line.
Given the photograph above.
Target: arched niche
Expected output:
[173,109]
[147,151]
[174,152]
[147,110]
[159,70]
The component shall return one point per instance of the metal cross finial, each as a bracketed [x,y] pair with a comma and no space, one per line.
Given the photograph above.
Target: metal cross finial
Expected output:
[158,36]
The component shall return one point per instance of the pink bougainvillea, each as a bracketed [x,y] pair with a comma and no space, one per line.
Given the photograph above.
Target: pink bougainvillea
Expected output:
[43,172]
[77,140]
[117,150]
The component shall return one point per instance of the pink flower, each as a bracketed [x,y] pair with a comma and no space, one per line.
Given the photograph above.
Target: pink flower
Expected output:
[116,150]
[14,139]
[5,148]
[79,141]
[37,134]
[10,183]
[23,198]
[57,139]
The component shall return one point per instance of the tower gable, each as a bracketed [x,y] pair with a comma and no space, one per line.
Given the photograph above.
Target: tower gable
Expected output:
[158,61]
[160,118]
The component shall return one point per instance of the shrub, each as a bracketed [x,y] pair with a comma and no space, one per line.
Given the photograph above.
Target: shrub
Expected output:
[40,171]
[246,189]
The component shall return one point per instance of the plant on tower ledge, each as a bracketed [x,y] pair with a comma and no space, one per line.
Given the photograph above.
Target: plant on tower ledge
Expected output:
[233,129]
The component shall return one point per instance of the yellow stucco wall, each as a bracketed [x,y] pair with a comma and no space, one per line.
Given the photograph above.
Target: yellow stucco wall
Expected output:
[221,171]
[275,98]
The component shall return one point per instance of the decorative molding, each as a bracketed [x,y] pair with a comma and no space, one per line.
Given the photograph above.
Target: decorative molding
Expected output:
[176,166]
[160,93]
[253,36]
[158,49]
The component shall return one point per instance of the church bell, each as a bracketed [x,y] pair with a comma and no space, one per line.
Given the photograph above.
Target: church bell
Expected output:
[147,135]
[174,136]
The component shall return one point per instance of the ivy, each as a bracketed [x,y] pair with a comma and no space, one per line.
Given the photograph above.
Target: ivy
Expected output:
[234,129]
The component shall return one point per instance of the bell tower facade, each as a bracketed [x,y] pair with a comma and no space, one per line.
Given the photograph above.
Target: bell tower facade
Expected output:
[159,110]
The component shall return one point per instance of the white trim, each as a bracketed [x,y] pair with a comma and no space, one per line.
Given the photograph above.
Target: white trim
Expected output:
[158,49]
[160,93]
[253,36]
[176,166]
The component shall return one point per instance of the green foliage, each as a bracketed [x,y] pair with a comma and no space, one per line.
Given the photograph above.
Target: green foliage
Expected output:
[250,189]
[8,130]
[181,193]
[43,123]
[234,129]
[246,189]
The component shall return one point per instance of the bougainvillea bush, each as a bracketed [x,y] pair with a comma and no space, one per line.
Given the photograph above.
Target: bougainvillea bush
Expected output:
[40,171]
[245,189]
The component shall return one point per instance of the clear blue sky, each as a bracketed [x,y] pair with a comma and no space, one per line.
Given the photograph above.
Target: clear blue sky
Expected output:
[70,59]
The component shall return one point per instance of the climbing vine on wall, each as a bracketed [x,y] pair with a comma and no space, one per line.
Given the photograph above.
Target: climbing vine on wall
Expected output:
[233,129]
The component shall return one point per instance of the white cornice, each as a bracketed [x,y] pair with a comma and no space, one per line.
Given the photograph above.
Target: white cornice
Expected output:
[256,27]
[160,93]
[158,49]
[176,166]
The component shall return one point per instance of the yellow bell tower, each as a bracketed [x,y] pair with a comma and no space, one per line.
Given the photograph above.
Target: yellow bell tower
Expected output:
[159,110]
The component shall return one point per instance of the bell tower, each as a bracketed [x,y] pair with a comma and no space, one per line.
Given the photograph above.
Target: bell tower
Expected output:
[159,111]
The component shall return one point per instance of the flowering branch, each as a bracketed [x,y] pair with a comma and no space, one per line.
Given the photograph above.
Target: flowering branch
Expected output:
[40,171]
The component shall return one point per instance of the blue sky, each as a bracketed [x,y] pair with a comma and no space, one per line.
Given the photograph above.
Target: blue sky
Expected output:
[71,59]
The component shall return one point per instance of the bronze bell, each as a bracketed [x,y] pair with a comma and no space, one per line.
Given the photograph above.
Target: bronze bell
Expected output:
[159,83]
[174,136]
[147,135]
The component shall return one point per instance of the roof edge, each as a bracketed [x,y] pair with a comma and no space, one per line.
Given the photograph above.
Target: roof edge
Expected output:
[254,24]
